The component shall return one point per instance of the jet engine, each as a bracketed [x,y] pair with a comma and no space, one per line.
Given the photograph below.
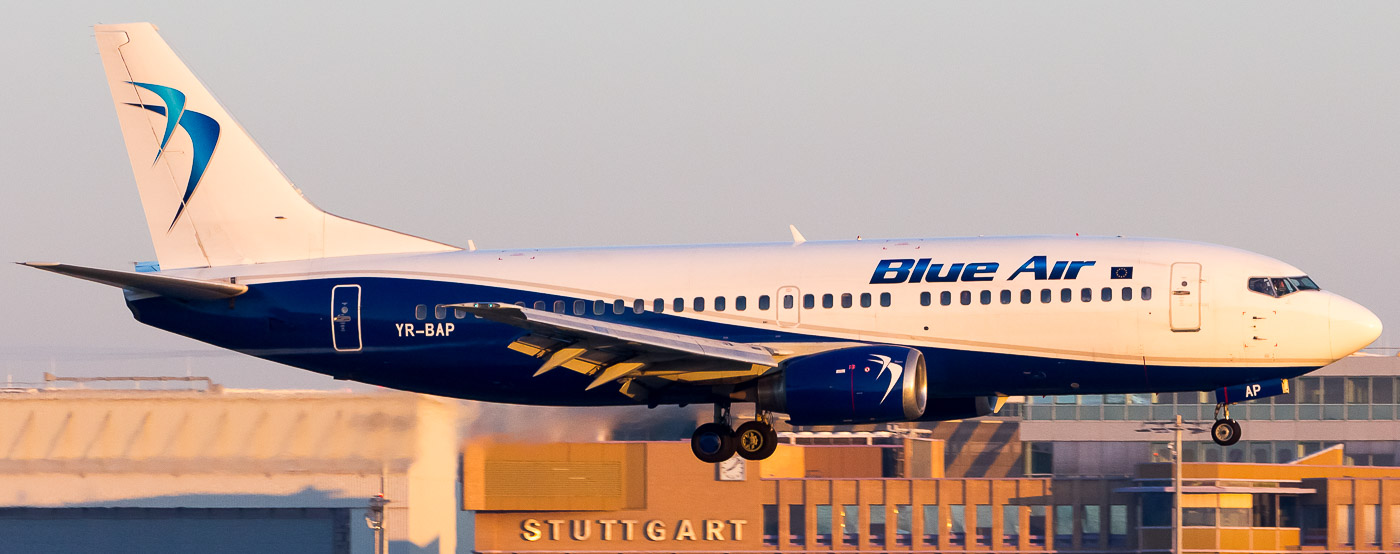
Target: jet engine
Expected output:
[863,384]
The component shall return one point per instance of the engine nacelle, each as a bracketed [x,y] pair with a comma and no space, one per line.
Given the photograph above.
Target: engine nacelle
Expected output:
[944,409]
[863,384]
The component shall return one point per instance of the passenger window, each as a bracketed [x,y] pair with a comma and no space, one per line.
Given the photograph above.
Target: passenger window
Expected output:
[865,300]
[558,306]
[639,306]
[462,314]
[763,302]
[439,312]
[1045,296]
[925,298]
[1005,297]
[1146,293]
[619,306]
[1106,295]
[599,306]
[1127,293]
[885,299]
[1025,296]
[945,298]
[741,303]
[809,301]
[539,305]
[828,301]
[847,300]
[787,302]
[699,304]
[658,305]
[719,303]
[1086,294]
[521,304]
[578,307]
[965,298]
[420,312]
[986,297]
[678,305]
[1066,295]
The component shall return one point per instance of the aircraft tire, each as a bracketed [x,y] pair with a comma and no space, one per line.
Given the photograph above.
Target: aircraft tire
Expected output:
[1225,432]
[713,442]
[755,440]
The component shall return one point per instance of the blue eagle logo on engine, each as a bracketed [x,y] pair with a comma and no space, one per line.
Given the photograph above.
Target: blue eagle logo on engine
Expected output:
[896,370]
[202,129]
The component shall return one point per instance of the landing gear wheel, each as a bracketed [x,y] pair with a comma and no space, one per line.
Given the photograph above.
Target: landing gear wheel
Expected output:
[755,440]
[1225,432]
[713,442]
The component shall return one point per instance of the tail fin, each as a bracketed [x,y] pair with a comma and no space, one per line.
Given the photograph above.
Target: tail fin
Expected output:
[211,196]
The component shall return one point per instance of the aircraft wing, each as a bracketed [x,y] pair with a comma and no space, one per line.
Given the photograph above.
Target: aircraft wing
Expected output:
[615,352]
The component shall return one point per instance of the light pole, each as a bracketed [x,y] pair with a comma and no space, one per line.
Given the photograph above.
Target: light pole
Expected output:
[374,518]
[1176,427]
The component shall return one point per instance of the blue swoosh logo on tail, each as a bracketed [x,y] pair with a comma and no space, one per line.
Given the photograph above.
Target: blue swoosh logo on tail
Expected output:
[202,129]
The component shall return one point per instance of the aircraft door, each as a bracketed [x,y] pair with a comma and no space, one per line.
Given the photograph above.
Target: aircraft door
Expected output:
[1186,297]
[789,311]
[345,318]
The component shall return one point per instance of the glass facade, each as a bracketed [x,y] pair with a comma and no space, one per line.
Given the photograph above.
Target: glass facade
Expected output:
[1312,398]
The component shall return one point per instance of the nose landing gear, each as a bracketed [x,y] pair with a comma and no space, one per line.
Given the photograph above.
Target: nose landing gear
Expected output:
[717,441]
[1225,431]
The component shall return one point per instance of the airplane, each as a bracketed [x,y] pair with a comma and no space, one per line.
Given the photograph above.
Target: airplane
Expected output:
[825,332]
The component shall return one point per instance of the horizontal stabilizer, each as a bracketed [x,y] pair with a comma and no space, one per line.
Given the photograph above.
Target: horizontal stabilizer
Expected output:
[163,285]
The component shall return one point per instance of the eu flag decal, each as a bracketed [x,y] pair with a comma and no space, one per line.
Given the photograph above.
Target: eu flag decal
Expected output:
[1121,272]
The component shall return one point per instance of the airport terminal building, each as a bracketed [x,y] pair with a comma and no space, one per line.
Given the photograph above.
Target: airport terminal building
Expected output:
[216,470]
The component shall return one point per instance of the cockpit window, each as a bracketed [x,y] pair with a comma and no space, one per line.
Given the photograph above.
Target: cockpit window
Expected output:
[1281,286]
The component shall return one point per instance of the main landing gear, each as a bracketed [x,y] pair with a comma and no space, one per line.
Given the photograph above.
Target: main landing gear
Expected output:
[1226,431]
[717,441]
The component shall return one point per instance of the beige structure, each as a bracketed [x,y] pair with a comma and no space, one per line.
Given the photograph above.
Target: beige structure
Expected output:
[70,449]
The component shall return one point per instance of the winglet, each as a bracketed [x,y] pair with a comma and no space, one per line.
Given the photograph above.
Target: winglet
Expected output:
[797,237]
[1001,402]
[471,245]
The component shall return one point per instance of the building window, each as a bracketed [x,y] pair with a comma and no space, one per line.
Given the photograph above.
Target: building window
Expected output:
[579,307]
[1198,517]
[983,529]
[1371,521]
[1118,525]
[809,301]
[850,525]
[1035,526]
[741,303]
[885,300]
[1146,293]
[1346,522]
[986,297]
[1039,458]
[1045,296]
[770,524]
[1091,527]
[828,301]
[797,524]
[957,524]
[1010,526]
[1106,294]
[865,300]
[1314,525]
[925,298]
[903,524]
[945,298]
[823,522]
[1025,296]
[420,312]
[619,306]
[719,303]
[931,524]
[1127,293]
[877,524]
[965,298]
[1066,295]
[1005,297]
[599,306]
[1064,526]
[847,300]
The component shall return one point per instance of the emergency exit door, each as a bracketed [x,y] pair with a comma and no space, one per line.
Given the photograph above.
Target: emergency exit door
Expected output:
[345,318]
[1186,297]
[789,311]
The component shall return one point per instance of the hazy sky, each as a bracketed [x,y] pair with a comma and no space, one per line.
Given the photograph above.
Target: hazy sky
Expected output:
[1272,127]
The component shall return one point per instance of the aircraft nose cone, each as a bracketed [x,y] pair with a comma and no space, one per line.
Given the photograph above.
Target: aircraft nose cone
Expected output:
[1352,327]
